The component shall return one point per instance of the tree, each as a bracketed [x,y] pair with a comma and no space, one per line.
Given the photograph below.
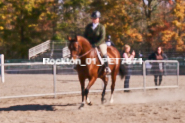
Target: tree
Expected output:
[121,19]
[73,17]
[25,24]
[158,20]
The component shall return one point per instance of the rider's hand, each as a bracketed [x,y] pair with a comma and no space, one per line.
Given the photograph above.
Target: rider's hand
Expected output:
[93,45]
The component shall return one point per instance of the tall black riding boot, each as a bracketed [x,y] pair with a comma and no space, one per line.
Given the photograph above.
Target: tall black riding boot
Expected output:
[107,69]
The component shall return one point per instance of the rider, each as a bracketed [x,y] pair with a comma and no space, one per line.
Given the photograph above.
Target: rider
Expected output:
[109,42]
[95,33]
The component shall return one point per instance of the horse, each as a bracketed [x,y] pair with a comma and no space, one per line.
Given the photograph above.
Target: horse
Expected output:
[80,48]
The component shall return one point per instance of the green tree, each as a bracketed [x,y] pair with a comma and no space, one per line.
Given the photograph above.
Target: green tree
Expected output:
[73,17]
[25,24]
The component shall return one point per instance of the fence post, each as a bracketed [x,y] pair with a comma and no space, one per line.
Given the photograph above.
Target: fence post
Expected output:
[2,68]
[177,73]
[54,80]
[144,76]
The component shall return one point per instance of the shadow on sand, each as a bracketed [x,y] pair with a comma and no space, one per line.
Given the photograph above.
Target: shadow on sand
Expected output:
[33,107]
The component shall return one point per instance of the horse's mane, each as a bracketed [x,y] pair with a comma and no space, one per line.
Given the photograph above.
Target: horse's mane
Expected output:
[83,40]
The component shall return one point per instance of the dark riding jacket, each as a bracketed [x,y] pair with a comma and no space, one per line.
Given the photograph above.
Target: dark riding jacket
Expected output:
[96,36]
[153,56]
[155,66]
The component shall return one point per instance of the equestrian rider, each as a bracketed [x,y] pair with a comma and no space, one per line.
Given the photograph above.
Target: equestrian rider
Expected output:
[109,42]
[95,34]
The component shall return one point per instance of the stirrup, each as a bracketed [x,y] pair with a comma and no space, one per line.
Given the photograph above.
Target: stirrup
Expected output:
[107,70]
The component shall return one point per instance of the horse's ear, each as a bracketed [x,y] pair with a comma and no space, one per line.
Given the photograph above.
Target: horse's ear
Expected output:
[76,38]
[69,38]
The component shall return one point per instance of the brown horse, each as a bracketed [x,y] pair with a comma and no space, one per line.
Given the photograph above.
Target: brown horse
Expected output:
[81,48]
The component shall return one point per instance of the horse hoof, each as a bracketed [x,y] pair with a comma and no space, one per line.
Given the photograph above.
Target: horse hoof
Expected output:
[111,101]
[81,106]
[89,103]
[103,101]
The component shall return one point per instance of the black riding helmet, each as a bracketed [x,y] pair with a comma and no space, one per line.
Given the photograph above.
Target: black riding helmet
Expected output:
[109,36]
[96,14]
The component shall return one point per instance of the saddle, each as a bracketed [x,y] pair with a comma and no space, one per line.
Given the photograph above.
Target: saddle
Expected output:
[102,65]
[99,55]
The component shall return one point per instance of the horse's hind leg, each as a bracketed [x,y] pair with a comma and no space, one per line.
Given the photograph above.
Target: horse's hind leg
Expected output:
[105,80]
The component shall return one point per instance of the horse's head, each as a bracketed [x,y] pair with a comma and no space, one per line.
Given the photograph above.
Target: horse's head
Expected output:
[74,47]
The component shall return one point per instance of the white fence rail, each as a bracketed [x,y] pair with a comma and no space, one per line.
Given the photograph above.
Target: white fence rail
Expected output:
[39,49]
[143,84]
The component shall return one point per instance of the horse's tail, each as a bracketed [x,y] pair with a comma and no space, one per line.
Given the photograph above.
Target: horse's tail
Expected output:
[121,71]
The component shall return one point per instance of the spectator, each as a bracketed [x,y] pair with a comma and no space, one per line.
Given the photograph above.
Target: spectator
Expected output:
[158,68]
[127,56]
[140,55]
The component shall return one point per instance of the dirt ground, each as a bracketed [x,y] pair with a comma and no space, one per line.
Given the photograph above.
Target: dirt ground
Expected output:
[165,105]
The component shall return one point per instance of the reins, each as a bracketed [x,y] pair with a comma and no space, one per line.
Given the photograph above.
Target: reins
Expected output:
[84,53]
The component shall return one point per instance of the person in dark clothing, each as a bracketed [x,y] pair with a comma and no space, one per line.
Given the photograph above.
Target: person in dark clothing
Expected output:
[158,68]
[95,34]
[109,42]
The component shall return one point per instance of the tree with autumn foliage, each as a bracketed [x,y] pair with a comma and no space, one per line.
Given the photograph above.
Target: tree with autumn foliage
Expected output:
[24,24]
[143,24]
[73,17]
[176,36]
[121,19]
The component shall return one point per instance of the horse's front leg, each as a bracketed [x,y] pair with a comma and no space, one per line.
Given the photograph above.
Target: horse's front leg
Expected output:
[105,80]
[82,83]
[86,92]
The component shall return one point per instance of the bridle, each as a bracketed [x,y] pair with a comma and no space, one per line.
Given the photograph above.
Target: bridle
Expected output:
[78,53]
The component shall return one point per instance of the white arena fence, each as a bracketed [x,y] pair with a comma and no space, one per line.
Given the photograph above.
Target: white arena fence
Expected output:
[38,79]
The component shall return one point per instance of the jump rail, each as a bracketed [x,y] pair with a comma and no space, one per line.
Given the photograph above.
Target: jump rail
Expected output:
[39,49]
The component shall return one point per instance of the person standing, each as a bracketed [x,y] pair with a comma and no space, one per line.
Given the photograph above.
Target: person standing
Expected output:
[95,34]
[158,68]
[127,56]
